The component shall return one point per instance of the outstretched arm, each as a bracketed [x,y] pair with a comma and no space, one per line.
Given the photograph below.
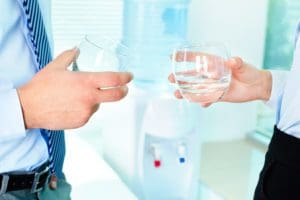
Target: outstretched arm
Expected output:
[248,83]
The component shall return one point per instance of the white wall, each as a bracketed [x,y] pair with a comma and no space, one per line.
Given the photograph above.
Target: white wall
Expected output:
[240,25]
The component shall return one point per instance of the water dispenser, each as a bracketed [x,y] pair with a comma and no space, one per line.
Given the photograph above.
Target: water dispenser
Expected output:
[170,150]
[152,141]
[150,138]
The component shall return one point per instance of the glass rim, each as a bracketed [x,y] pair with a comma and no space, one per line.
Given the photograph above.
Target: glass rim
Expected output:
[117,43]
[195,45]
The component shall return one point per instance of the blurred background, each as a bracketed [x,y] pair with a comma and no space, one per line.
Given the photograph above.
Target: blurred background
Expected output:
[234,137]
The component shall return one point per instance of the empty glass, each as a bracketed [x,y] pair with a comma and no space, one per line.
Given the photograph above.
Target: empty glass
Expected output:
[201,72]
[101,54]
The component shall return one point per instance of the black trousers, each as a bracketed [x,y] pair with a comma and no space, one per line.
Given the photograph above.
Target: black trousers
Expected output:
[280,176]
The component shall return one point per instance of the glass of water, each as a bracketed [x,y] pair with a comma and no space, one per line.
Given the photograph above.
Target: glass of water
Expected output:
[98,54]
[201,71]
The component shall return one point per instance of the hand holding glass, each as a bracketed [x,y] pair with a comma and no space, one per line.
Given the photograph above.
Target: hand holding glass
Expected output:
[201,73]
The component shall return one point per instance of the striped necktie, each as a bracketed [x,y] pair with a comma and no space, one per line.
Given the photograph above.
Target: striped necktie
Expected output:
[37,37]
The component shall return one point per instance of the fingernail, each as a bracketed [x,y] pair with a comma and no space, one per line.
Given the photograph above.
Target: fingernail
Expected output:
[77,50]
[233,61]
[131,74]
[125,89]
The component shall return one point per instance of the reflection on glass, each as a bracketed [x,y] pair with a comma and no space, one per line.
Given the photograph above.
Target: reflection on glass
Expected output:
[101,54]
[200,72]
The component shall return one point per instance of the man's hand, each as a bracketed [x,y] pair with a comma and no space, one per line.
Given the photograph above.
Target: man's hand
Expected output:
[60,99]
[247,84]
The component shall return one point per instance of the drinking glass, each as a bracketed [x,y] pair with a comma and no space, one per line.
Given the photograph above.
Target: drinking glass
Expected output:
[201,71]
[98,54]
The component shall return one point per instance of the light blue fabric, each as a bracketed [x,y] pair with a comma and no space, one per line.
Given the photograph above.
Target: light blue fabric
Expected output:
[286,96]
[289,111]
[38,39]
[21,150]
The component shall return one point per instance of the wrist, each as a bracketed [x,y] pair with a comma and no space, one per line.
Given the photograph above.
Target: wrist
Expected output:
[266,86]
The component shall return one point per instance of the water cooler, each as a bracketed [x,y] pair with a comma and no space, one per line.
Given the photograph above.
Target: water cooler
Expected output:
[150,138]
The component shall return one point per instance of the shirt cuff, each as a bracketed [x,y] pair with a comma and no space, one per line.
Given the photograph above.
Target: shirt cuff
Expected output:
[11,116]
[279,79]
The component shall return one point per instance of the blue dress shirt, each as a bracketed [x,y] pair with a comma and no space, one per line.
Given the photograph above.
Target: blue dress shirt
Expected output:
[286,96]
[20,149]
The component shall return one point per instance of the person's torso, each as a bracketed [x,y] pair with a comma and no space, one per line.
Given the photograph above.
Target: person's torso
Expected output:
[289,115]
[17,67]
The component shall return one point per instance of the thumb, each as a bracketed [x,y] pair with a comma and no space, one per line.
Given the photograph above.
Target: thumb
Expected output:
[65,59]
[236,64]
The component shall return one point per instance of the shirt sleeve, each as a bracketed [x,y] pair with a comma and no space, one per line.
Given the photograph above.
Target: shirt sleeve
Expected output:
[279,79]
[11,115]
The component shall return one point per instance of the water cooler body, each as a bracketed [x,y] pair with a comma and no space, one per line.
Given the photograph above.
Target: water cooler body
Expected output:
[153,143]
[151,29]
[151,138]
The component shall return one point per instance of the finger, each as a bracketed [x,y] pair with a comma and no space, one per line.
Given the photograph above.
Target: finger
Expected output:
[111,95]
[183,56]
[235,64]
[107,79]
[178,94]
[204,99]
[65,59]
[205,105]
[171,78]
